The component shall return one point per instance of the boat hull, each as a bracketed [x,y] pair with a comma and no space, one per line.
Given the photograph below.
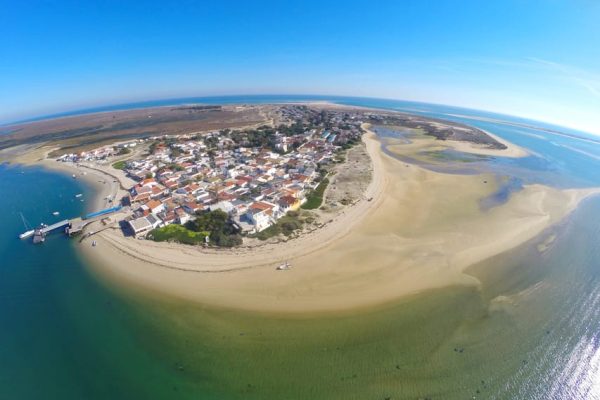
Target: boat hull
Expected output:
[27,234]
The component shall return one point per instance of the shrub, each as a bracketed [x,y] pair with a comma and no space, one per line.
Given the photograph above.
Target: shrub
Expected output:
[177,233]
[315,198]
[286,225]
[222,232]
[119,165]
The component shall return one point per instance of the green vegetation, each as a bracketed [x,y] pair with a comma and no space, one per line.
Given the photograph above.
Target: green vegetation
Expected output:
[119,165]
[153,146]
[350,143]
[123,150]
[264,138]
[315,198]
[175,167]
[177,233]
[287,225]
[216,223]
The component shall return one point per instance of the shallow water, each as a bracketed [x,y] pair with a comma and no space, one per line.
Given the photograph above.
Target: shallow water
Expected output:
[530,331]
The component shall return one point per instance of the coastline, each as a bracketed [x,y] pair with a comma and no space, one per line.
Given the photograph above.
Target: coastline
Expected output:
[420,232]
[92,177]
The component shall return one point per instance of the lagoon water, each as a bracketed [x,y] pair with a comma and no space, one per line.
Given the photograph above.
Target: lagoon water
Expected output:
[531,331]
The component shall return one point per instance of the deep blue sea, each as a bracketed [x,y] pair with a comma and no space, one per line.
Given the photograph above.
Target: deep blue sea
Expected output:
[65,335]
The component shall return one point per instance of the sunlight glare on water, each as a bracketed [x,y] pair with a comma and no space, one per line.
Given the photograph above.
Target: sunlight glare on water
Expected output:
[580,375]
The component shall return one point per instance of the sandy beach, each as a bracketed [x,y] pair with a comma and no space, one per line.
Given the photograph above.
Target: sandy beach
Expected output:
[421,230]
[413,230]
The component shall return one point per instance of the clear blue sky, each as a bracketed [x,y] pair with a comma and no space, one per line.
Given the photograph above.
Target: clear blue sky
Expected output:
[538,59]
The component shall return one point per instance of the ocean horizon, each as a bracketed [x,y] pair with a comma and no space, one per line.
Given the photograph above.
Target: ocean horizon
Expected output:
[406,106]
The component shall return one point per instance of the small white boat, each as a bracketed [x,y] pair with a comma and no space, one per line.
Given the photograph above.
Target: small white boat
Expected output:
[74,176]
[78,195]
[55,213]
[285,266]
[27,234]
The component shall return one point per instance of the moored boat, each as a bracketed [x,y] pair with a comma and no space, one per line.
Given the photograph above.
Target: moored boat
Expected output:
[27,234]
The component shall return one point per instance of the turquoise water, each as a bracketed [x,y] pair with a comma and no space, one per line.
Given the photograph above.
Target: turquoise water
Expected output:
[62,336]
[532,331]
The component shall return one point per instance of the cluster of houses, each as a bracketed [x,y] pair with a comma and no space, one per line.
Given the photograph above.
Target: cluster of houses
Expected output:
[254,184]
[99,154]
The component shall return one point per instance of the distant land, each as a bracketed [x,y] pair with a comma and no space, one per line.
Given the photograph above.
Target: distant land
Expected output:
[392,104]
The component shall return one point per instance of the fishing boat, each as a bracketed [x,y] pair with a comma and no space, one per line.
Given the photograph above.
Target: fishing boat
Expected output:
[285,266]
[94,243]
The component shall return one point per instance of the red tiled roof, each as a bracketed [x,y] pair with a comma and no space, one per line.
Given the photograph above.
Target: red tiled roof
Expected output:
[259,205]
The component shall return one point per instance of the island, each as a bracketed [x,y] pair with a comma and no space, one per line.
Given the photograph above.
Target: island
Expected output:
[288,208]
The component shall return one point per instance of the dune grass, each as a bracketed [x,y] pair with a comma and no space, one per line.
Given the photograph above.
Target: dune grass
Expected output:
[315,198]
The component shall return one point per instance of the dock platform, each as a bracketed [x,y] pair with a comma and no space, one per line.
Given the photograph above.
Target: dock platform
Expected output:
[58,225]
[76,225]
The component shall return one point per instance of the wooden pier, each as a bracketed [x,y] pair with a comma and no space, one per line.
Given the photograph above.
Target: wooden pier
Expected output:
[60,224]
[74,226]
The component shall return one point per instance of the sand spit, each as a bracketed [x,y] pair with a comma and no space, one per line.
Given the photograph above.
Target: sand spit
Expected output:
[420,231]
[512,150]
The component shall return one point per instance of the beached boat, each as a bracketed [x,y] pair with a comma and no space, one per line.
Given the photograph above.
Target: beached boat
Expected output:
[285,266]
